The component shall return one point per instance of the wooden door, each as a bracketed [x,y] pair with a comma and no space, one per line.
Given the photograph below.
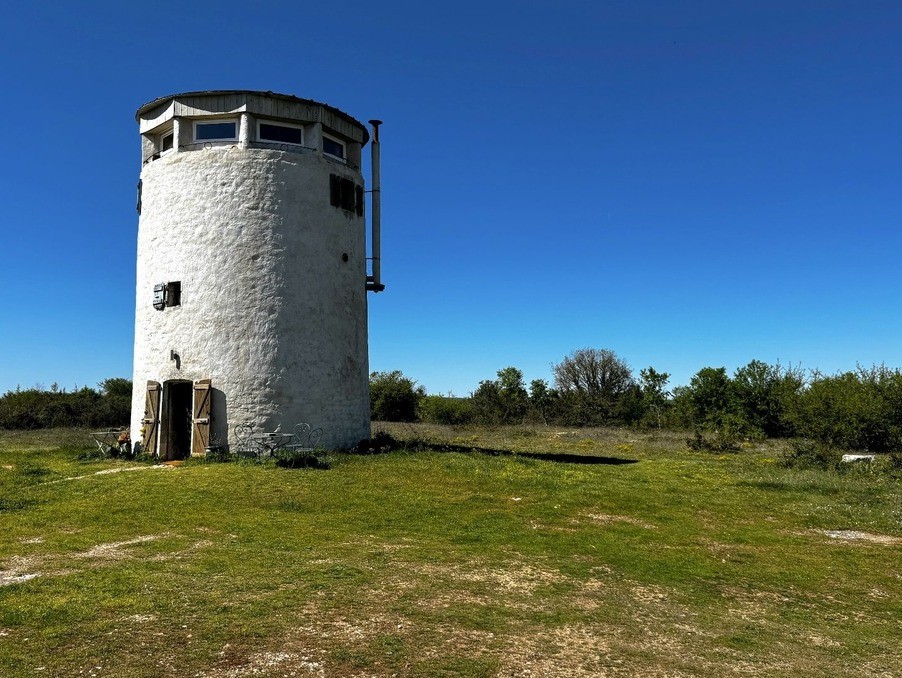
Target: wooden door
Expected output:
[150,428]
[200,433]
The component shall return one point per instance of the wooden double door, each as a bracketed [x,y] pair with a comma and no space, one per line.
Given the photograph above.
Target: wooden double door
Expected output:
[176,420]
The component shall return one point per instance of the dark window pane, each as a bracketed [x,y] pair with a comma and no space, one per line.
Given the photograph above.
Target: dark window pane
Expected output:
[215,130]
[174,293]
[347,195]
[335,190]
[333,148]
[281,133]
[359,200]
[166,143]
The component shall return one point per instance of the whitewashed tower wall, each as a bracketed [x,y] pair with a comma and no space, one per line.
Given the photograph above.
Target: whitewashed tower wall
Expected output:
[273,275]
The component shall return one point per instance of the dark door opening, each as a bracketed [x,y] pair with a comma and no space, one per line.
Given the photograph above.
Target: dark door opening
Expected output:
[176,419]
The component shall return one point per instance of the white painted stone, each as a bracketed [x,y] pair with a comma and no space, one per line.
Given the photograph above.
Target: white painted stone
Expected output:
[269,310]
[849,458]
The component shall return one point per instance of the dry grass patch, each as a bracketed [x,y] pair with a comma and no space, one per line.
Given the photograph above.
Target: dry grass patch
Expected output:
[859,536]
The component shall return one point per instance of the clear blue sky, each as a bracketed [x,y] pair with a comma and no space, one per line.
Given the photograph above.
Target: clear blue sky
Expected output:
[689,184]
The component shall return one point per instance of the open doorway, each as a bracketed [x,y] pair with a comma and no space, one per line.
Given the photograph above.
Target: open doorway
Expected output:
[175,432]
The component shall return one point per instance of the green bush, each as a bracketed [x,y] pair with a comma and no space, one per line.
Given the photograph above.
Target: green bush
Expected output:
[394,397]
[811,454]
[764,395]
[859,410]
[36,408]
[448,410]
[721,440]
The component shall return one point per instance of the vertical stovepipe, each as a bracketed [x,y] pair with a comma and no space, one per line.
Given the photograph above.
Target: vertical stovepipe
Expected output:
[376,285]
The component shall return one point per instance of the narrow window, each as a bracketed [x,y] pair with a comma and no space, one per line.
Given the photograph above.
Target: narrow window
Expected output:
[166,142]
[280,132]
[348,195]
[335,190]
[220,130]
[174,293]
[138,205]
[334,148]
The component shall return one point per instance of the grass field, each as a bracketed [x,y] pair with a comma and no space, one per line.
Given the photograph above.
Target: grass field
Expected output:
[510,552]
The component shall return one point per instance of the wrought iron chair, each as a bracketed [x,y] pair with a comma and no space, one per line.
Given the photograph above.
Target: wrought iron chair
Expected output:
[304,444]
[244,444]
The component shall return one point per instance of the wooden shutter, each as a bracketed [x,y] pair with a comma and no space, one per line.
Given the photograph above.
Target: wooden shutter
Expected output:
[200,432]
[151,423]
[360,198]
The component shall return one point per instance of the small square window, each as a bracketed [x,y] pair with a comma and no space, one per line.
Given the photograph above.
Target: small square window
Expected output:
[281,133]
[333,147]
[167,294]
[219,130]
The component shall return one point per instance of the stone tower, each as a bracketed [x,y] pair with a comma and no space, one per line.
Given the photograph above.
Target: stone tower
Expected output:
[252,276]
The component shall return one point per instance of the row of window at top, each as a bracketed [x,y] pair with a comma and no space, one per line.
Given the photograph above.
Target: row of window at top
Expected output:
[283,133]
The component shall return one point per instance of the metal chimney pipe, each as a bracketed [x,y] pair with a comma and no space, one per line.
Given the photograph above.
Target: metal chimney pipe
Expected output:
[376,283]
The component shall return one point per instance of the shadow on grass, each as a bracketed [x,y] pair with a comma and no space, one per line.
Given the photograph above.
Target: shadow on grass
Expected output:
[561,458]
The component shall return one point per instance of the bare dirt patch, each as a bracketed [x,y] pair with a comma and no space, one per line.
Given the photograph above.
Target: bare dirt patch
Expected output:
[115,550]
[108,472]
[18,569]
[271,664]
[568,652]
[603,518]
[858,536]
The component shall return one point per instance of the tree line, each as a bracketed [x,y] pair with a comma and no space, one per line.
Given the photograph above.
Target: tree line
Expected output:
[107,406]
[860,409]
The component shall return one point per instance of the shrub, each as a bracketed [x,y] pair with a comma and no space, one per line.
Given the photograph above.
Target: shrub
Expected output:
[39,408]
[721,440]
[380,443]
[859,410]
[808,454]
[394,397]
[448,410]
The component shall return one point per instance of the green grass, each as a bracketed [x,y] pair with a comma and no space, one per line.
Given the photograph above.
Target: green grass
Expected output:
[473,552]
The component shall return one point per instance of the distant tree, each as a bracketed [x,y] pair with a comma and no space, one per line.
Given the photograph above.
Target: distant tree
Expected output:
[541,399]
[591,381]
[394,397]
[630,408]
[486,399]
[116,387]
[709,395]
[764,395]
[116,400]
[501,401]
[514,398]
[653,385]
